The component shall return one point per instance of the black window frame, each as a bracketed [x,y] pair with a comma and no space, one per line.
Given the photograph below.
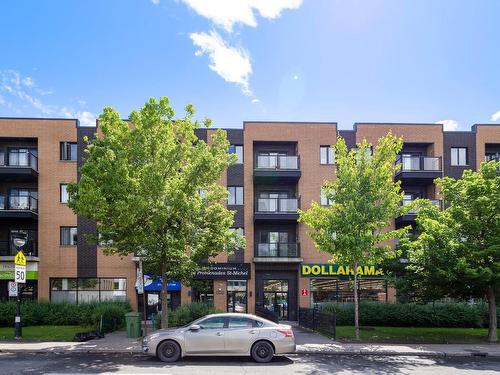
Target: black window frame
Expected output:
[61,190]
[232,150]
[236,195]
[63,227]
[65,153]
[330,155]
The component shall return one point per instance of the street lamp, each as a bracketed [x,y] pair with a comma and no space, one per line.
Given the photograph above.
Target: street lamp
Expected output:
[18,242]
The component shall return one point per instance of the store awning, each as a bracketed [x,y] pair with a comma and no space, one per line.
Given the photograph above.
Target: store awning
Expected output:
[152,283]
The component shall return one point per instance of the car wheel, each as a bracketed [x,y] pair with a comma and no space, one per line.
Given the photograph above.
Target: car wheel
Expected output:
[262,352]
[168,351]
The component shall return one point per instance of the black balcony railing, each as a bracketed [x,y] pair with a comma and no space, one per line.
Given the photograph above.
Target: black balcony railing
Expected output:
[436,202]
[18,203]
[7,248]
[418,163]
[278,250]
[21,159]
[277,205]
[277,162]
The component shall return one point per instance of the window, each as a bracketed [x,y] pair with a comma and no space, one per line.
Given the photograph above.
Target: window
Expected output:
[212,323]
[324,200]
[68,236]
[235,195]
[240,322]
[458,156]
[327,155]
[63,193]
[88,290]
[239,231]
[68,151]
[238,150]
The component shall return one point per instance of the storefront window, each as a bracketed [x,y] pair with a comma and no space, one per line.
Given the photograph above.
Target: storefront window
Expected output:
[275,286]
[237,296]
[342,290]
[203,291]
[88,290]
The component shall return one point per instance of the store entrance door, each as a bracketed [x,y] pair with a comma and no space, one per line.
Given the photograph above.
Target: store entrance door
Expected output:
[278,303]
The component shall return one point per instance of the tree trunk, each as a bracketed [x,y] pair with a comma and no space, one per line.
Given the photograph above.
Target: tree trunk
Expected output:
[492,309]
[163,295]
[356,304]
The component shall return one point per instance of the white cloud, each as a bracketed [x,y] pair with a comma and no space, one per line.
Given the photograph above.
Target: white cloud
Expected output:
[449,125]
[231,63]
[495,116]
[22,93]
[255,100]
[86,118]
[156,2]
[227,13]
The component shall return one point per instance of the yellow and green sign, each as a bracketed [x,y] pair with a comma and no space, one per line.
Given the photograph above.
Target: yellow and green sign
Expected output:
[331,269]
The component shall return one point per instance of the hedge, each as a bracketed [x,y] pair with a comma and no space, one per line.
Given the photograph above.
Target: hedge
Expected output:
[462,315]
[83,314]
[185,314]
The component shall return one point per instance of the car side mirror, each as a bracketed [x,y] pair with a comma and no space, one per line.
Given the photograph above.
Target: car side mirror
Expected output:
[194,327]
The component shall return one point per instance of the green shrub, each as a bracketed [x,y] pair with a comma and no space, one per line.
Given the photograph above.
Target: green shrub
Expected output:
[412,315]
[84,314]
[185,314]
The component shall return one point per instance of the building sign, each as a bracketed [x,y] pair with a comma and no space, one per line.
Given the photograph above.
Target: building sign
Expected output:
[330,269]
[152,283]
[7,271]
[304,292]
[225,271]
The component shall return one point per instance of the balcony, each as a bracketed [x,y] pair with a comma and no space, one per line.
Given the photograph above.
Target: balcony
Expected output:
[280,209]
[21,166]
[19,207]
[276,169]
[277,250]
[419,169]
[411,215]
[7,249]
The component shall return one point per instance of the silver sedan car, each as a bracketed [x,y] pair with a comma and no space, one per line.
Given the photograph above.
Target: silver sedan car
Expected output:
[230,334]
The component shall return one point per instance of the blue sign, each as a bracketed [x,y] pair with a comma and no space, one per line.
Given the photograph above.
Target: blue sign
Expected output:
[152,283]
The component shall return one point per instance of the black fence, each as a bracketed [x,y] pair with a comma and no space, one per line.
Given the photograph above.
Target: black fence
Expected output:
[318,321]
[266,314]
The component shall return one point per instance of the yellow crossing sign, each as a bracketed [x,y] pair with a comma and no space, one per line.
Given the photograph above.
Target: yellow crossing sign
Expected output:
[20,259]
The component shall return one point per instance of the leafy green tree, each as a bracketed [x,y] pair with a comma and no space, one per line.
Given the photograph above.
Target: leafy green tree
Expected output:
[457,253]
[152,187]
[354,228]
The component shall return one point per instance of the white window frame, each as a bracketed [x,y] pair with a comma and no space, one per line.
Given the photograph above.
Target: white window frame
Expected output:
[458,156]
[326,155]
[236,196]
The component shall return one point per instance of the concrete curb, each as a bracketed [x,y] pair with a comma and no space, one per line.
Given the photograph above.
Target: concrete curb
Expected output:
[387,353]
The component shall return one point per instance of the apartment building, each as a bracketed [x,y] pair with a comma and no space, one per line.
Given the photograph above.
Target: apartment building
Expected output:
[281,167]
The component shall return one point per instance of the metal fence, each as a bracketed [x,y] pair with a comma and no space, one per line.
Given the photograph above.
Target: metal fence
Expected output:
[319,321]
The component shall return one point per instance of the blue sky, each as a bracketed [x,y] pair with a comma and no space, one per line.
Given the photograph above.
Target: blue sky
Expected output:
[235,60]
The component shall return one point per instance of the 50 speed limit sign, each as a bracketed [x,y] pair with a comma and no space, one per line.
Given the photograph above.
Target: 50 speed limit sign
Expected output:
[20,274]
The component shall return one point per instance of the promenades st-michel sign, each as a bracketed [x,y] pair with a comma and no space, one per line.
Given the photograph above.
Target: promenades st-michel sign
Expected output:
[331,269]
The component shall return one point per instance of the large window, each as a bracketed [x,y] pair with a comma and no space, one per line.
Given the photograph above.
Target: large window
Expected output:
[68,151]
[238,150]
[235,195]
[458,156]
[69,236]
[88,289]
[327,155]
[237,296]
[324,200]
[63,193]
[342,290]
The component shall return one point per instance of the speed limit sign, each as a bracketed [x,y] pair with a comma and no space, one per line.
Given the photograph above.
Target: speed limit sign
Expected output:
[20,274]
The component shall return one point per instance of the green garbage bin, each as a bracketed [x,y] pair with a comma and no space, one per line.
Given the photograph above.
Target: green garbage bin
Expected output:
[133,322]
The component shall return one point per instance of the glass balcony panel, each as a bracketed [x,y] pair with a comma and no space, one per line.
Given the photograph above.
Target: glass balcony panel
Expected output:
[277,162]
[432,164]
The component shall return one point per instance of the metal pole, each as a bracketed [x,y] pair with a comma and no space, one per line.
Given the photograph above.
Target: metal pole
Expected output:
[17,323]
[144,302]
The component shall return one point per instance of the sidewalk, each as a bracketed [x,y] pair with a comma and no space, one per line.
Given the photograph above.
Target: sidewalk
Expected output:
[307,343]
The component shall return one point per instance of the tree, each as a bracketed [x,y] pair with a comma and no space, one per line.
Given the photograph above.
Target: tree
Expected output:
[152,187]
[457,253]
[365,201]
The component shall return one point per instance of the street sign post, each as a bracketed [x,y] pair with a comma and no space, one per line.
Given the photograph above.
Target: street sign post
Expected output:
[20,278]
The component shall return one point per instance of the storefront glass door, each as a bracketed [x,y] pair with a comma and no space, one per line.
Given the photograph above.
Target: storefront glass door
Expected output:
[276,297]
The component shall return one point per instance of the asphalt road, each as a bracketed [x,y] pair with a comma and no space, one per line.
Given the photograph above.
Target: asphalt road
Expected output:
[78,363]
